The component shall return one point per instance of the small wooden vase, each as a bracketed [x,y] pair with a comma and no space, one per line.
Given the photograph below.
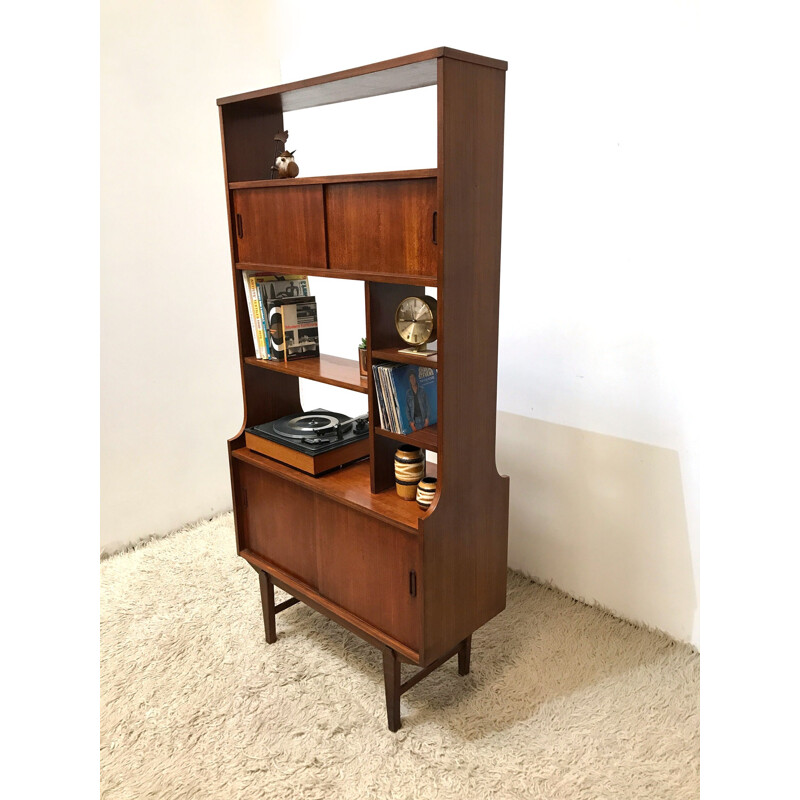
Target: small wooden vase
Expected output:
[426,491]
[409,469]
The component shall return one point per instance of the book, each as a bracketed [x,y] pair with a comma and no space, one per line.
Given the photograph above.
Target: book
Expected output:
[292,328]
[406,396]
[257,287]
[300,332]
[260,342]
[276,287]
[246,274]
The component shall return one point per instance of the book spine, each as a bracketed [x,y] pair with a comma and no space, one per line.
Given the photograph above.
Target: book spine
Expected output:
[263,311]
[261,346]
[283,327]
[249,297]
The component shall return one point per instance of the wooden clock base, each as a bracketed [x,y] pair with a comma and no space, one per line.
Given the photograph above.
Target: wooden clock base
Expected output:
[391,659]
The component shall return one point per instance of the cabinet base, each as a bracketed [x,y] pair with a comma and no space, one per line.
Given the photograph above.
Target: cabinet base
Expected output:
[391,659]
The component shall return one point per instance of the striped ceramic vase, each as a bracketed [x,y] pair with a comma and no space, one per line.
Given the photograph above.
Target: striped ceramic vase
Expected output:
[409,469]
[426,489]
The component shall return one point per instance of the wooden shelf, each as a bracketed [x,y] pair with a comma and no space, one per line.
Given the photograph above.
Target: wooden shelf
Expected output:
[427,438]
[348,274]
[342,372]
[394,354]
[349,485]
[358,177]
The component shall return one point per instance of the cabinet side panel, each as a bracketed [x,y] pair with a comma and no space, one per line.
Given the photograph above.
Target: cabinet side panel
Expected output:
[466,536]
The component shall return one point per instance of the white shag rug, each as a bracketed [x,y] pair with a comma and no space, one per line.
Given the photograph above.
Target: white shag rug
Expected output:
[563,701]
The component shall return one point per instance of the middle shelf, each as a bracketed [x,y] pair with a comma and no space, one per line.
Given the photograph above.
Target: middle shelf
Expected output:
[342,372]
[426,438]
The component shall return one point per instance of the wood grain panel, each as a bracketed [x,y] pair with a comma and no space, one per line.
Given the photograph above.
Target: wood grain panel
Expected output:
[385,226]
[313,599]
[349,486]
[285,226]
[356,177]
[466,534]
[333,370]
[364,566]
[426,438]
[394,354]
[347,274]
[279,522]
[248,140]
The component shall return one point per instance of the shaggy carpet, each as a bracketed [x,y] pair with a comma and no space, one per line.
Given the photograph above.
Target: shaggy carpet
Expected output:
[564,701]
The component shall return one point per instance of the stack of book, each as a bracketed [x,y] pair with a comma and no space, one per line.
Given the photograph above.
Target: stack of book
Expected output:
[283,316]
[406,396]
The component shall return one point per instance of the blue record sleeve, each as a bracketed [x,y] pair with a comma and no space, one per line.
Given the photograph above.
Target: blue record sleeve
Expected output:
[415,389]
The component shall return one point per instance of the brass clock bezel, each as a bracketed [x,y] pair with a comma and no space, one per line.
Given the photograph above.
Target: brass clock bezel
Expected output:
[431,304]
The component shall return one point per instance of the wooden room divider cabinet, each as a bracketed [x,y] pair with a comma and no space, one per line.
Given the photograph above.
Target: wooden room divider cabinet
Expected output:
[414,584]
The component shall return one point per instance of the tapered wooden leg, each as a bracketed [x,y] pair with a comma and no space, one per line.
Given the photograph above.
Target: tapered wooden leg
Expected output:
[391,678]
[464,652]
[268,606]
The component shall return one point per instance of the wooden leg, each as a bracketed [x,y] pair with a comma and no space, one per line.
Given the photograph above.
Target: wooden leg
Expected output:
[464,652]
[268,606]
[391,677]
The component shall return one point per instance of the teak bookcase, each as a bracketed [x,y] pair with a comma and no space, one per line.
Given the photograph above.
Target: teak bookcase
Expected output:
[414,584]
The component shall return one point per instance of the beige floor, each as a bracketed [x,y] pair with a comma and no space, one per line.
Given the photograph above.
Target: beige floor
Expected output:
[563,701]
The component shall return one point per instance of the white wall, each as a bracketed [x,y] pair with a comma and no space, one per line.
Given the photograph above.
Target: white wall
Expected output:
[170,388]
[601,222]
[602,270]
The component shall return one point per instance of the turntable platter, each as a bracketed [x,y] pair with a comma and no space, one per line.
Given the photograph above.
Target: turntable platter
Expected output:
[307,425]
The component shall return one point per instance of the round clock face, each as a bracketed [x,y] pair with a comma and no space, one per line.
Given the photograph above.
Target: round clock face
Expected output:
[415,319]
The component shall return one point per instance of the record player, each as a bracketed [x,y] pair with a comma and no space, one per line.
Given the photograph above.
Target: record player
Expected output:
[313,441]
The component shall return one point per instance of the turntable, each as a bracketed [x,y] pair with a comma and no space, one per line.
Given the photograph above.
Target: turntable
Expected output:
[313,441]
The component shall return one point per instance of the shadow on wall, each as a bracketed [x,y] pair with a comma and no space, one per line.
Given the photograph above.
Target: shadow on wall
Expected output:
[601,518]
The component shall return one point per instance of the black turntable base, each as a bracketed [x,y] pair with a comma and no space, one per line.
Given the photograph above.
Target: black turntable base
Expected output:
[313,441]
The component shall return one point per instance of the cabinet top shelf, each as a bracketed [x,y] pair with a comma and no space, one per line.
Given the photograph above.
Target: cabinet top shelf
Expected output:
[384,77]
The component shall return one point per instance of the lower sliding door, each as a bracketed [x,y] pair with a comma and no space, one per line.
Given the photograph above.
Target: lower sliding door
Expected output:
[279,522]
[369,568]
[363,565]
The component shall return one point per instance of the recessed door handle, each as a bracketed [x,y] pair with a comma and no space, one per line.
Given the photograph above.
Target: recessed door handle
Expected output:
[239,230]
[435,221]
